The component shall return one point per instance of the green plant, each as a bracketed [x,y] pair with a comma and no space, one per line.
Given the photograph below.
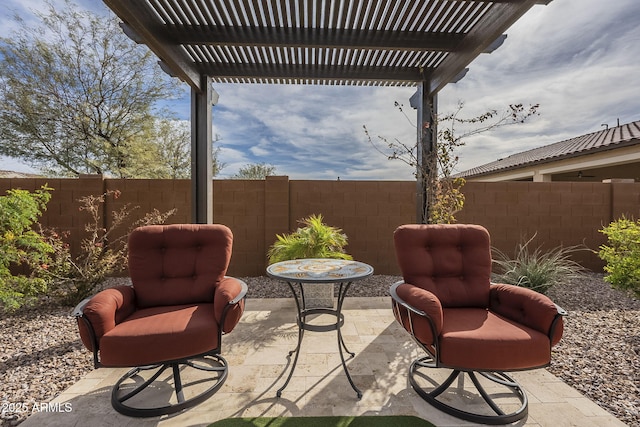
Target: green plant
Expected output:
[103,251]
[448,200]
[24,254]
[622,255]
[314,240]
[537,269]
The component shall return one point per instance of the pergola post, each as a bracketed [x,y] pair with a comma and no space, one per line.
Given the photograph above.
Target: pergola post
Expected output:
[201,153]
[426,166]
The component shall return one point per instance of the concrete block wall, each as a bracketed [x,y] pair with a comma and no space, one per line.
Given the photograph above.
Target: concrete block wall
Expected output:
[625,200]
[561,213]
[367,211]
[240,205]
[557,213]
[144,195]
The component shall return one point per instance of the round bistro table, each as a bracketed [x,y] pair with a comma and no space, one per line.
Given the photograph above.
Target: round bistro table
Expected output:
[319,271]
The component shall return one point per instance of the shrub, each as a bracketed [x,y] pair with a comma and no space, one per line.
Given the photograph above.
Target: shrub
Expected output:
[537,269]
[315,240]
[622,255]
[448,200]
[103,252]
[24,254]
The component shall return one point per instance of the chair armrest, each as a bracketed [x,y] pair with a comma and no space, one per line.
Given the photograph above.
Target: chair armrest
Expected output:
[394,295]
[79,309]
[229,302]
[527,307]
[102,312]
[423,314]
[561,311]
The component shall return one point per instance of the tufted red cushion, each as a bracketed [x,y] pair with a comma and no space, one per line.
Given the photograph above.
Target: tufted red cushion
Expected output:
[158,334]
[451,261]
[478,339]
[178,264]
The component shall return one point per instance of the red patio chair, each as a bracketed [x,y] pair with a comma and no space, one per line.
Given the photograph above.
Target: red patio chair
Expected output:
[174,316]
[464,322]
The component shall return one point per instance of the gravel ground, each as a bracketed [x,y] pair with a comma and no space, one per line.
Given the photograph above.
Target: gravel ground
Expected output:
[599,355]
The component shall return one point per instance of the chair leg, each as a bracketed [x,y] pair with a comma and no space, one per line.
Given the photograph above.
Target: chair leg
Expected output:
[431,395]
[121,394]
[177,382]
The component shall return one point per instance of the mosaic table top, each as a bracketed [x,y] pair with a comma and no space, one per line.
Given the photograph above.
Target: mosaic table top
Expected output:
[319,270]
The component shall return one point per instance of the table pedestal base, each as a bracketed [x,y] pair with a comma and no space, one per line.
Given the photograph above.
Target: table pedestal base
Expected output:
[304,325]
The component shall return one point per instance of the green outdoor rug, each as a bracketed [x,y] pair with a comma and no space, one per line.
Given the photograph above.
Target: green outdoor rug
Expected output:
[363,421]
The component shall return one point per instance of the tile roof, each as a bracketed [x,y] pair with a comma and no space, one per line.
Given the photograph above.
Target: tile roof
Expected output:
[609,139]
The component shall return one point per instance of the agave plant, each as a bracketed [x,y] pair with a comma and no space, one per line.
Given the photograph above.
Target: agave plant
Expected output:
[314,240]
[537,269]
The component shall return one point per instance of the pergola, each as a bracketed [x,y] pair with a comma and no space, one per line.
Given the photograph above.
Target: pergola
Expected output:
[421,43]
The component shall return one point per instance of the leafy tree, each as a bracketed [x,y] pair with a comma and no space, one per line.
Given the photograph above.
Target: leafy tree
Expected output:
[173,144]
[77,96]
[444,197]
[255,171]
[24,254]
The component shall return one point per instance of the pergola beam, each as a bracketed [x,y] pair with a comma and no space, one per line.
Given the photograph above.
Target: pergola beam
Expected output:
[142,21]
[314,37]
[495,23]
[313,72]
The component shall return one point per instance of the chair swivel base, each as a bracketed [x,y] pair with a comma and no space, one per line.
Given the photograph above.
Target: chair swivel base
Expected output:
[119,395]
[497,377]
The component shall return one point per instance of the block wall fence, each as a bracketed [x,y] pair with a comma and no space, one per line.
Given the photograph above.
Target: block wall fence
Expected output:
[559,213]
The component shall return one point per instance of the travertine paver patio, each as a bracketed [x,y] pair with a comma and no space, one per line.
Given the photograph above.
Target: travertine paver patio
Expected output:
[257,354]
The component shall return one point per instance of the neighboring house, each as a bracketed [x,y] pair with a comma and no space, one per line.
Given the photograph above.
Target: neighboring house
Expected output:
[612,153]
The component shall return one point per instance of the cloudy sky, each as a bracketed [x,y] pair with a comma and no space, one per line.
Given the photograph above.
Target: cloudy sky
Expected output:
[578,59]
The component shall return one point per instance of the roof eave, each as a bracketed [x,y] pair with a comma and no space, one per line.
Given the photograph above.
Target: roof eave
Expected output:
[552,159]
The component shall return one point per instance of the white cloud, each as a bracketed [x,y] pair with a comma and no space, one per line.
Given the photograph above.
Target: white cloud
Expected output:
[262,149]
[310,132]
[232,160]
[15,165]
